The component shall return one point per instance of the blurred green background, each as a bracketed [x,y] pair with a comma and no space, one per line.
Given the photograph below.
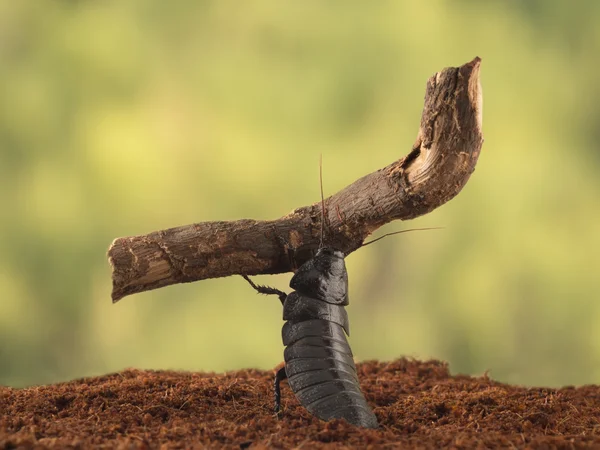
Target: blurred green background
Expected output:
[121,118]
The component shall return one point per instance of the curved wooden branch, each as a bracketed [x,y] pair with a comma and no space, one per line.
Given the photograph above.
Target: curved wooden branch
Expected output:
[440,163]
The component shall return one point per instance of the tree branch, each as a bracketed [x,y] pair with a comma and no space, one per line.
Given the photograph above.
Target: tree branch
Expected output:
[440,163]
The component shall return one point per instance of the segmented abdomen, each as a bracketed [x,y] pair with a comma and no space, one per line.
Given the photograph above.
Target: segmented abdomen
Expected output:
[321,371]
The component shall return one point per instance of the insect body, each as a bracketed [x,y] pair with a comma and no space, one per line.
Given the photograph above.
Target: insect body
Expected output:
[318,358]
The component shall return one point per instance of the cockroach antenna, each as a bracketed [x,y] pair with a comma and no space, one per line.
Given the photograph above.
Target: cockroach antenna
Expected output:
[322,199]
[398,232]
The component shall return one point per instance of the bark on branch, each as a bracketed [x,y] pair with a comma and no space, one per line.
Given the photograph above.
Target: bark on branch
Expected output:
[440,163]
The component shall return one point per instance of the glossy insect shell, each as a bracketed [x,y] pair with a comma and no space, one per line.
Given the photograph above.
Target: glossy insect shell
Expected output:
[318,359]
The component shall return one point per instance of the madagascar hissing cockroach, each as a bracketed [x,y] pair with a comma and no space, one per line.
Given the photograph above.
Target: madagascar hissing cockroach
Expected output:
[318,360]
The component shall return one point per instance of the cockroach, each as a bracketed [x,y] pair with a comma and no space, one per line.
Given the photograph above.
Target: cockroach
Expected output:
[319,364]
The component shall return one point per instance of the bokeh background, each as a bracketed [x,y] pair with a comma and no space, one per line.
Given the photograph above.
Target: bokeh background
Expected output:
[121,118]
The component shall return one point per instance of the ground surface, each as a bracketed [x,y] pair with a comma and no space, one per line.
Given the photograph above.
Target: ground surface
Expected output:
[418,404]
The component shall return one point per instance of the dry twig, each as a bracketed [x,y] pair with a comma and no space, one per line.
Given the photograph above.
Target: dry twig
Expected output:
[440,163]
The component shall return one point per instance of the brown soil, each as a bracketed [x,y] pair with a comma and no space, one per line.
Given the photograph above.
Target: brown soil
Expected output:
[418,404]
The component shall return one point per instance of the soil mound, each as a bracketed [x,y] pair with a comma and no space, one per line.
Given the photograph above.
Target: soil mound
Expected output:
[418,404]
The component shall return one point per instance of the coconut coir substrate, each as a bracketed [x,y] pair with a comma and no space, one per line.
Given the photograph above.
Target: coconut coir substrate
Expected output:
[418,404]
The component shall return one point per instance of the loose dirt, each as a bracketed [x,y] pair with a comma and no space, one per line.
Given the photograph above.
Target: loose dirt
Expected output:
[418,404]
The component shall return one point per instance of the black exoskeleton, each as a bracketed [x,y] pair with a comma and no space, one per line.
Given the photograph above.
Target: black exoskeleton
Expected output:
[318,359]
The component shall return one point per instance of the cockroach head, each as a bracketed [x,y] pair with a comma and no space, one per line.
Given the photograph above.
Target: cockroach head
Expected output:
[323,277]
[329,252]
